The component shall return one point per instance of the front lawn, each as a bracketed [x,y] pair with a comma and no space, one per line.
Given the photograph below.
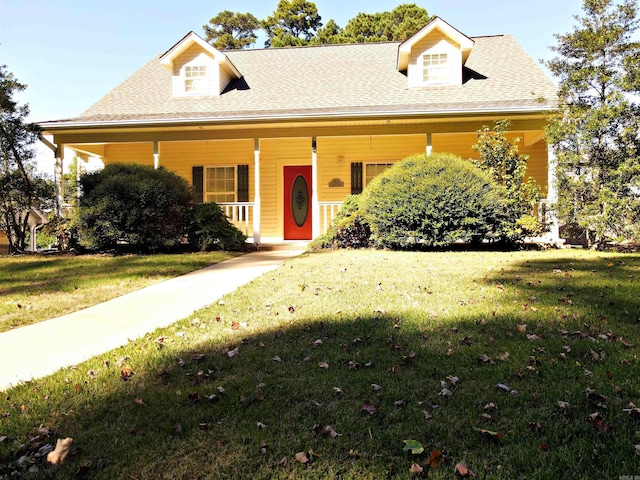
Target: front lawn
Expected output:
[522,365]
[34,288]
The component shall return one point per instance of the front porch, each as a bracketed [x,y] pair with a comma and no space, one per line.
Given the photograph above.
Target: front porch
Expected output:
[243,170]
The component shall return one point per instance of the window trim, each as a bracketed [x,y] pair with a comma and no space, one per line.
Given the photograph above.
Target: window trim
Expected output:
[365,178]
[442,69]
[199,80]
[206,192]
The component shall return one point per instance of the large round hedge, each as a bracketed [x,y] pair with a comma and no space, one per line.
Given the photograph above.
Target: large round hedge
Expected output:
[432,201]
[133,204]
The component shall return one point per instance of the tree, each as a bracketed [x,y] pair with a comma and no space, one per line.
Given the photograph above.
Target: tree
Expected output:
[20,189]
[508,167]
[231,31]
[596,136]
[294,23]
[397,25]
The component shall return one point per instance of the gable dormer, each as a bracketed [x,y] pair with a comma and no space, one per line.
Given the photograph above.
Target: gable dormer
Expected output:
[435,55]
[197,68]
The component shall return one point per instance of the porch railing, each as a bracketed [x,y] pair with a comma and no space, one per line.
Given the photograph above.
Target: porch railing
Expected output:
[240,214]
[328,211]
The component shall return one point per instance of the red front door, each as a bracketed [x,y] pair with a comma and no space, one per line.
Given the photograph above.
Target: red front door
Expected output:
[297,203]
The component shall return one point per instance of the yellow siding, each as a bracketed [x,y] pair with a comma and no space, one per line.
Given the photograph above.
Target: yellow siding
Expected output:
[180,157]
[141,153]
[460,144]
[335,155]
[275,154]
[436,42]
[195,56]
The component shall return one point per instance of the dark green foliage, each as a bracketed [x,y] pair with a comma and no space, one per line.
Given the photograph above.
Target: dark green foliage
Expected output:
[350,229]
[133,204]
[231,31]
[294,23]
[596,138]
[20,188]
[433,201]
[210,229]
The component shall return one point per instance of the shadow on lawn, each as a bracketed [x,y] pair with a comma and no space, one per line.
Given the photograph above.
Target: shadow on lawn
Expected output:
[170,418]
[66,272]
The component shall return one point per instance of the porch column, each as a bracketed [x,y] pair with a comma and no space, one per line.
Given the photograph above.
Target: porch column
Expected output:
[429,144]
[256,191]
[156,155]
[58,179]
[315,206]
[552,195]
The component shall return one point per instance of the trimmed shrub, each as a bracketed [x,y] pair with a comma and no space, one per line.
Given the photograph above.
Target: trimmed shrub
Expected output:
[133,204]
[349,229]
[432,201]
[210,229]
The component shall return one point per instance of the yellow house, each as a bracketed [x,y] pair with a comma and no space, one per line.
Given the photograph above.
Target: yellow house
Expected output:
[279,137]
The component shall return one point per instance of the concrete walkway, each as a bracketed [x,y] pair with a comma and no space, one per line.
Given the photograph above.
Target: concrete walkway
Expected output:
[38,350]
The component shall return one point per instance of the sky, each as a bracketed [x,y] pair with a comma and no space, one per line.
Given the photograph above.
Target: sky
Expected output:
[70,53]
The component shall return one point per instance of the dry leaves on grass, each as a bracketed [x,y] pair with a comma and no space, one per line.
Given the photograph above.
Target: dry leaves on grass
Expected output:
[61,451]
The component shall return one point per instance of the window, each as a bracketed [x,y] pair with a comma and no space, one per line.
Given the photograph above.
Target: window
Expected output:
[195,77]
[374,169]
[436,68]
[220,184]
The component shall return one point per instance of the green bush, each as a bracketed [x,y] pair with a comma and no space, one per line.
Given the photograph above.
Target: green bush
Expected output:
[210,229]
[137,205]
[433,201]
[349,229]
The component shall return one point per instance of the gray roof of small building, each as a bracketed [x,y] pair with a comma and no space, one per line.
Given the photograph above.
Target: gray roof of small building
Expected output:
[336,80]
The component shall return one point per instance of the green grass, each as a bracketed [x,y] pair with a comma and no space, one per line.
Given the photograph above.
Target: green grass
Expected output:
[37,288]
[402,321]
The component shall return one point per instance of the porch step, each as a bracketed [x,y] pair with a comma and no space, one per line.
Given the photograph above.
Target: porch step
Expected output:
[289,245]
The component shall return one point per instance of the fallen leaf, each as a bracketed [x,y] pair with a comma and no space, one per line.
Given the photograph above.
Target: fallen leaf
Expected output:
[446,393]
[415,468]
[61,451]
[204,426]
[453,380]
[325,431]
[235,325]
[486,359]
[462,469]
[282,462]
[533,337]
[370,409]
[277,359]
[324,365]
[490,406]
[503,387]
[412,446]
[564,405]
[126,373]
[2,438]
[436,458]
[233,353]
[197,356]
[376,387]
[317,343]
[522,328]
[302,457]
[138,401]
[261,425]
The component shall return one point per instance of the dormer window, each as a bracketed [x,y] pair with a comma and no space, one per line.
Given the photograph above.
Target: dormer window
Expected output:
[435,68]
[195,79]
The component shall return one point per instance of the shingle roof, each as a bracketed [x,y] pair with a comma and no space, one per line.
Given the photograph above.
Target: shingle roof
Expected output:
[358,79]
